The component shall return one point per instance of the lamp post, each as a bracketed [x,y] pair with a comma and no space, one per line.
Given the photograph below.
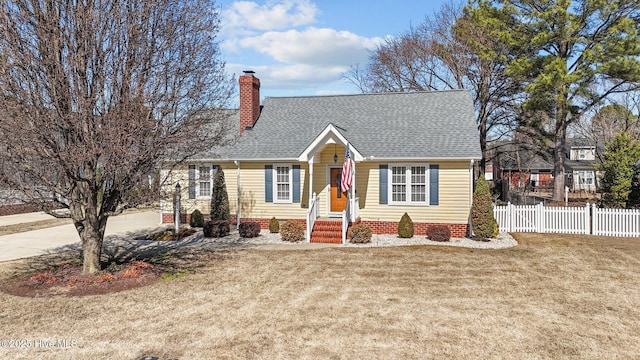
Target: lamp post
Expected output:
[176,207]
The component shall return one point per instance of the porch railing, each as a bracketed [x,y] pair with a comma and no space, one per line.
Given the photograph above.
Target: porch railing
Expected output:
[312,215]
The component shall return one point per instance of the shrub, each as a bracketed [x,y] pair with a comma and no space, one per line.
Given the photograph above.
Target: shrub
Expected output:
[292,231]
[219,198]
[360,234]
[405,226]
[482,219]
[439,233]
[216,228]
[249,229]
[196,219]
[274,225]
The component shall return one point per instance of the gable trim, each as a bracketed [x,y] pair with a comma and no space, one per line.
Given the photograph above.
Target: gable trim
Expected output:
[330,135]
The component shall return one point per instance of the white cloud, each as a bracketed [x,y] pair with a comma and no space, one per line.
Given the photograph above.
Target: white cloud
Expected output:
[291,76]
[277,41]
[246,16]
[313,46]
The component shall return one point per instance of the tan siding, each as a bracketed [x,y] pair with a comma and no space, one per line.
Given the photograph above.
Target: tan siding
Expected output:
[181,175]
[453,205]
[252,194]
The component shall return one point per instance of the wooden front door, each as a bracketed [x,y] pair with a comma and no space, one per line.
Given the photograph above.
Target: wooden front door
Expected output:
[338,198]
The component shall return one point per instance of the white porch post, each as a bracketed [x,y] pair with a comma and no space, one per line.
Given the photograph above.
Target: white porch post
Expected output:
[311,178]
[352,191]
[238,195]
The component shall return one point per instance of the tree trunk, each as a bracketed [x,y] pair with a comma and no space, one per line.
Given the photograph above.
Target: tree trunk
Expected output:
[91,230]
[558,162]
[91,252]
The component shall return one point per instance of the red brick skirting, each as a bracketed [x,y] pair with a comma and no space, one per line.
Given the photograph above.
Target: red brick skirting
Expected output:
[21,209]
[377,227]
[264,223]
[388,227]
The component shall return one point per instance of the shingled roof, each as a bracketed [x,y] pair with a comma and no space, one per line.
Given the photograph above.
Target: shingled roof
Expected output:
[418,125]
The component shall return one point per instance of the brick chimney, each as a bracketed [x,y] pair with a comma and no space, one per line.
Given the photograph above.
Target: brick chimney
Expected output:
[249,100]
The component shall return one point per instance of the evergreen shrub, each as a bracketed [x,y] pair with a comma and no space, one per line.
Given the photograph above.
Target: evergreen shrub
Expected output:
[405,226]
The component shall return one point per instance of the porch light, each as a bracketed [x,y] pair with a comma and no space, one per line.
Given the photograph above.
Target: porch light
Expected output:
[335,156]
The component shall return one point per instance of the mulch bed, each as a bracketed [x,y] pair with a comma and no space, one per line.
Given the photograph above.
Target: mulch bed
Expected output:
[68,280]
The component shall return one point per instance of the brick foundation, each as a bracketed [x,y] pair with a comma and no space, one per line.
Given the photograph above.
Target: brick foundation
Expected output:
[390,227]
[22,209]
[264,223]
[377,227]
[167,218]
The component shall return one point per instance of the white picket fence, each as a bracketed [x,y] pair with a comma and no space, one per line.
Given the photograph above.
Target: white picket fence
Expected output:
[568,220]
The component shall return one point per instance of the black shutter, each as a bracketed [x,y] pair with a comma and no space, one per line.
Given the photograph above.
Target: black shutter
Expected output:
[192,181]
[384,175]
[433,185]
[296,183]
[268,183]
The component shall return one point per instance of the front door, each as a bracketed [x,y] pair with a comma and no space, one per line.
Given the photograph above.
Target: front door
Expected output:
[338,198]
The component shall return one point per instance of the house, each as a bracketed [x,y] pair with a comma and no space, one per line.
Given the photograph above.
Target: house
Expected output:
[525,169]
[579,167]
[411,152]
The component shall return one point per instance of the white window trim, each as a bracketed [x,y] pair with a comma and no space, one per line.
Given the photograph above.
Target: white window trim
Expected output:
[197,179]
[408,166]
[582,154]
[275,183]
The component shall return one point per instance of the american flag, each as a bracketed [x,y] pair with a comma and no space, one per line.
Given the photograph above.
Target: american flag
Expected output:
[347,171]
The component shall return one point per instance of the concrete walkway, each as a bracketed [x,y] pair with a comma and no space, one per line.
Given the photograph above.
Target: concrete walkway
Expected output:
[43,241]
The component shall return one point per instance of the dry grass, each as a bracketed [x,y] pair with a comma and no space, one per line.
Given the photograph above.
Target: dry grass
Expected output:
[34,225]
[551,297]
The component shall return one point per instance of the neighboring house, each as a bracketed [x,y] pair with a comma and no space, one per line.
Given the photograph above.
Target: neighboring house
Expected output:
[412,152]
[579,167]
[526,170]
[521,168]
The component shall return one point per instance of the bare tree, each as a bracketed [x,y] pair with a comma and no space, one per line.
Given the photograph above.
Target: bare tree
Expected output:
[447,51]
[610,120]
[94,94]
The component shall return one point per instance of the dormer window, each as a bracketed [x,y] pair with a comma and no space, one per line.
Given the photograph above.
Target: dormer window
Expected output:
[582,154]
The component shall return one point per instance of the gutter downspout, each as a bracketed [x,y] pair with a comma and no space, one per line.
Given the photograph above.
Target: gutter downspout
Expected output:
[238,194]
[470,195]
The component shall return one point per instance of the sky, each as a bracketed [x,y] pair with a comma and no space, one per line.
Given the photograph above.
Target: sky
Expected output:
[303,47]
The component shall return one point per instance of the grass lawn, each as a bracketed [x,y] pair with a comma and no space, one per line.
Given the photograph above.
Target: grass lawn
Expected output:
[553,296]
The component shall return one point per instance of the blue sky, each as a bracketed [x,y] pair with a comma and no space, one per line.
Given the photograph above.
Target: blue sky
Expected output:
[301,47]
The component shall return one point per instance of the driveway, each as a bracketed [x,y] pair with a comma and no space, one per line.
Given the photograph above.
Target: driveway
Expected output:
[65,237]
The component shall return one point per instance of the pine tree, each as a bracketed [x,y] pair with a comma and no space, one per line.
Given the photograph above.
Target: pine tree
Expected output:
[482,219]
[219,198]
[634,196]
[620,156]
[572,56]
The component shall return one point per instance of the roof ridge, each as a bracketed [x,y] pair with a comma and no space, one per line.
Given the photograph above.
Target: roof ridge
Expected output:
[369,94]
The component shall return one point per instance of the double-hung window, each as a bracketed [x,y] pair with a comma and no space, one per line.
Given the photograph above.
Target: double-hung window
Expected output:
[408,185]
[282,185]
[204,181]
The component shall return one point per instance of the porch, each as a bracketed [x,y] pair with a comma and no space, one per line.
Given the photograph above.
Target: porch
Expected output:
[329,197]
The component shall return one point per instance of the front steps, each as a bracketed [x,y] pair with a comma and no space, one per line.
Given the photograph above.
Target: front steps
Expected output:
[327,231]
